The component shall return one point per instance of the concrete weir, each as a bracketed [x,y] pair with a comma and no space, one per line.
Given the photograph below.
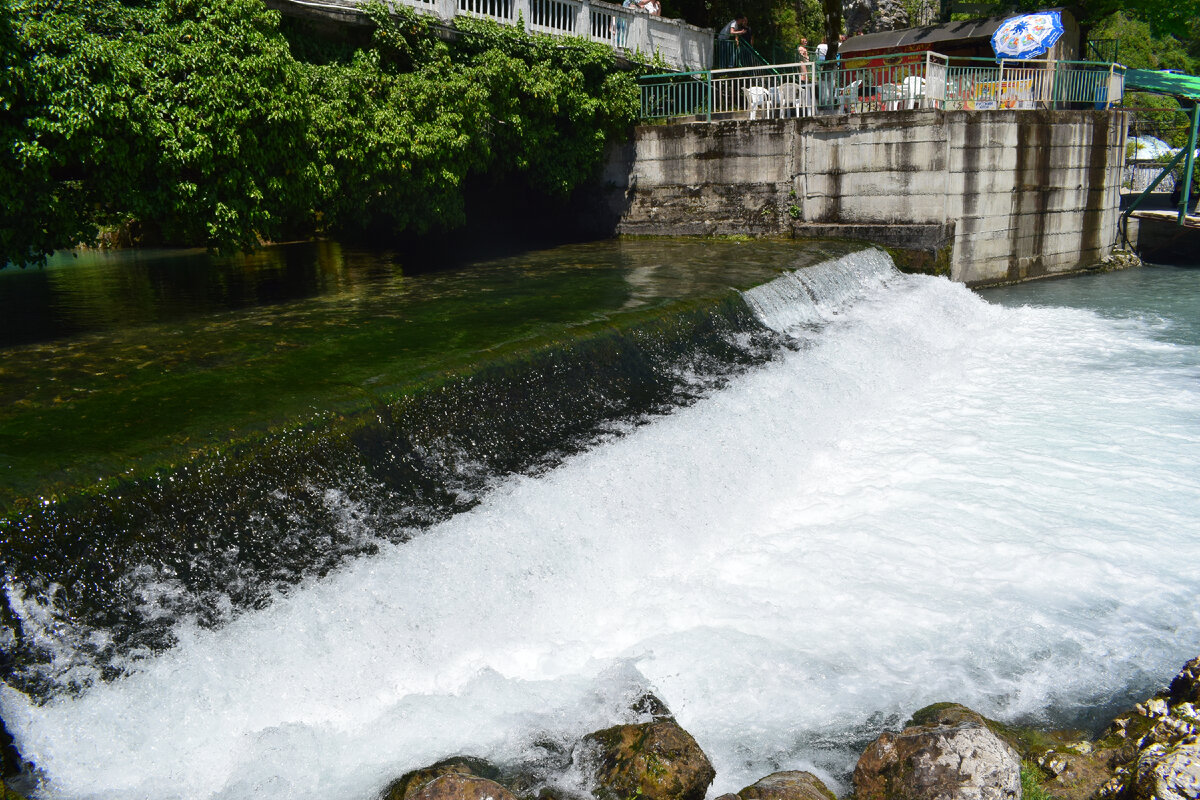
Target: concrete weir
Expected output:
[982,196]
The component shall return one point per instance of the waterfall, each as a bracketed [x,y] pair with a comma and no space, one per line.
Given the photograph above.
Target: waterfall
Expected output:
[815,295]
[794,545]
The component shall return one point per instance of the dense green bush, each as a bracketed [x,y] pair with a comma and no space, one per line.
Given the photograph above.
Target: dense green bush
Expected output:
[194,119]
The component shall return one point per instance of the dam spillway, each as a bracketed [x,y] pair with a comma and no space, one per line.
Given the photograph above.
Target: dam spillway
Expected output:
[896,492]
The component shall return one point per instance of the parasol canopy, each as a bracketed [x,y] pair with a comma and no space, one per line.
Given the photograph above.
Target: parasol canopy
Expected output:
[1027,35]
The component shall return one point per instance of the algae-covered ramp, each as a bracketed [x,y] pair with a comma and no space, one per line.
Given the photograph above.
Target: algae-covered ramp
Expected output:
[126,376]
[252,448]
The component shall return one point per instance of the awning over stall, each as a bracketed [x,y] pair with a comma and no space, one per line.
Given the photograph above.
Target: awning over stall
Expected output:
[973,31]
[1173,83]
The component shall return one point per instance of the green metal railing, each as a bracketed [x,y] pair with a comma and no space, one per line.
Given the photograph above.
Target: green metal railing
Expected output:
[982,84]
[677,94]
[734,53]
[1103,50]
[927,80]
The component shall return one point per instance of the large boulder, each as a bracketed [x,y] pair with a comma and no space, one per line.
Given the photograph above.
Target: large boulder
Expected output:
[873,16]
[950,754]
[657,760]
[788,785]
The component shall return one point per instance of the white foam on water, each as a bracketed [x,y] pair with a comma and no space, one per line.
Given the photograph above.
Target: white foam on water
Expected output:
[819,293]
[938,499]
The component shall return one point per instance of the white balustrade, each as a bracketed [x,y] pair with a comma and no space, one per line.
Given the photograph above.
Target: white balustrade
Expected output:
[500,10]
[631,32]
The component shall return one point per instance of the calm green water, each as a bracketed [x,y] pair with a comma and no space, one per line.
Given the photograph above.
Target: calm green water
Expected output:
[112,363]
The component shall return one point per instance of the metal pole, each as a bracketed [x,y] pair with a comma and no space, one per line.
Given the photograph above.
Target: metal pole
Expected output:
[1186,199]
[1153,184]
[708,104]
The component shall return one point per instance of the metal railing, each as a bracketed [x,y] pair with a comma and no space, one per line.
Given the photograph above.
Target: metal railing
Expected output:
[913,80]
[1104,50]
[981,84]
[734,53]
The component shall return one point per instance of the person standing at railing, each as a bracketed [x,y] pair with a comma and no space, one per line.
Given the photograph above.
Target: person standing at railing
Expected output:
[730,39]
[623,23]
[651,7]
[802,57]
[824,91]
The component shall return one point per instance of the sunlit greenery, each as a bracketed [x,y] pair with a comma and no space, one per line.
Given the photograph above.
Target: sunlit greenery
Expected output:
[196,123]
[1141,48]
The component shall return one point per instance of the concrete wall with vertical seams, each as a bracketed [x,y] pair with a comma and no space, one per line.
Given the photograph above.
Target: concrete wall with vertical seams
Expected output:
[986,196]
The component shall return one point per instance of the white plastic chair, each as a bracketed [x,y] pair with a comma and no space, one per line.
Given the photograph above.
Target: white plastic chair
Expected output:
[758,97]
[797,96]
[847,95]
[912,89]
[889,96]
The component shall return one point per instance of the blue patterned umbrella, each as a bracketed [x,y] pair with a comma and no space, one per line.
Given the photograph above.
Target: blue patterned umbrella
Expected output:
[1028,35]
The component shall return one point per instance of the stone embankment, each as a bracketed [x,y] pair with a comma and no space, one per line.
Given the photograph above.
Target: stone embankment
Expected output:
[945,752]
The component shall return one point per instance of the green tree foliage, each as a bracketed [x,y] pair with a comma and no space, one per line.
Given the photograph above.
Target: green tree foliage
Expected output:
[70,94]
[1176,18]
[1140,48]
[227,114]
[777,24]
[194,118]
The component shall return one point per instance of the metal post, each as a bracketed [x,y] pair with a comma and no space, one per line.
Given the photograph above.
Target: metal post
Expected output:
[1185,200]
[1153,184]
[708,101]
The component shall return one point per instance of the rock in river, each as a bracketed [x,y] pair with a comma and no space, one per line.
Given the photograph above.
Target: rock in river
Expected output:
[950,754]
[473,779]
[658,760]
[789,785]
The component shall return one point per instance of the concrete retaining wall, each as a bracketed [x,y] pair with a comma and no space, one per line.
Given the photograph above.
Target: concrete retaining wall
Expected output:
[986,196]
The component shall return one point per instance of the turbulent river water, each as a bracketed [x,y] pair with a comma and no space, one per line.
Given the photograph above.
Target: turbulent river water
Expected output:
[922,494]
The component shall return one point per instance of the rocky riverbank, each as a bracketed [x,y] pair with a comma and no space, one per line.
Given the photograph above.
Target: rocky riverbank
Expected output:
[945,751]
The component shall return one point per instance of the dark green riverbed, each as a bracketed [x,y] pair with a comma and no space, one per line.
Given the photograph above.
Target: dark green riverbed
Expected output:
[120,363]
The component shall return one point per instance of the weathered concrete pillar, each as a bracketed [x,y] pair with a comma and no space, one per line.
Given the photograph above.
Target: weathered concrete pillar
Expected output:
[984,197]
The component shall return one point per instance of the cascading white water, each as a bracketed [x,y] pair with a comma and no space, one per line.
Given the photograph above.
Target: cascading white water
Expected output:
[935,499]
[815,295]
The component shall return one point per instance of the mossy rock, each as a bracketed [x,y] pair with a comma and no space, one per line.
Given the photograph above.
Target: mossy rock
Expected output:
[411,783]
[649,705]
[655,761]
[1028,742]
[950,754]
[945,714]
[457,786]
[788,785]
